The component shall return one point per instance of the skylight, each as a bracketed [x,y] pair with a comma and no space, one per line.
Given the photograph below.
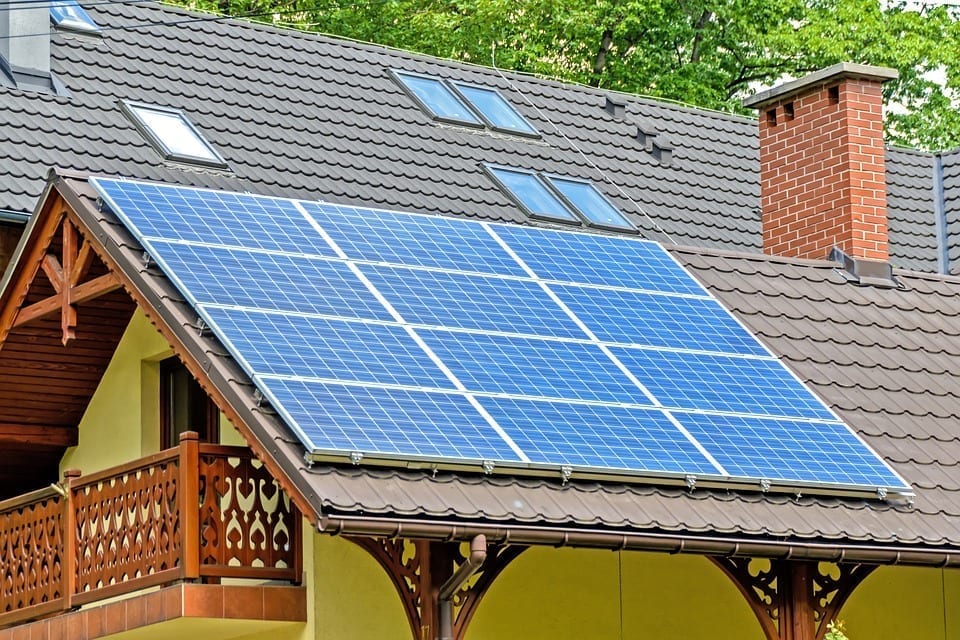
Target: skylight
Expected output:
[496,111]
[532,195]
[438,99]
[591,204]
[464,103]
[559,198]
[68,14]
[173,135]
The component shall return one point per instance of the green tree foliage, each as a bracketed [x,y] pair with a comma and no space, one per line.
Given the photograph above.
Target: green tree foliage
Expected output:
[710,53]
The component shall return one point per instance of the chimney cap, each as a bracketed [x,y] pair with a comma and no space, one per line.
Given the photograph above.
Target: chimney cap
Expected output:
[838,71]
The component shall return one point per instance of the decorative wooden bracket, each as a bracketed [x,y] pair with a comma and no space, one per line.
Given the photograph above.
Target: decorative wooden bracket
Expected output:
[418,568]
[66,274]
[793,600]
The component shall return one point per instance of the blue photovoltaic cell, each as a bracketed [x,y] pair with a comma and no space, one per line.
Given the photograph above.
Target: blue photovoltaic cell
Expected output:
[591,258]
[532,367]
[311,347]
[388,421]
[471,302]
[600,436]
[414,240]
[722,383]
[267,281]
[788,450]
[658,320]
[212,217]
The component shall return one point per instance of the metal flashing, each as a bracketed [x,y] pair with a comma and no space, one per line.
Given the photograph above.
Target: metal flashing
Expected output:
[865,272]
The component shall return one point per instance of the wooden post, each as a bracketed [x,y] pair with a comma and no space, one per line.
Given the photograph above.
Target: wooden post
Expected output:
[188,502]
[69,536]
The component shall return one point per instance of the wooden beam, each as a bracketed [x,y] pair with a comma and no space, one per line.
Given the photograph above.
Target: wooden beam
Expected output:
[53,270]
[82,265]
[68,312]
[37,435]
[80,293]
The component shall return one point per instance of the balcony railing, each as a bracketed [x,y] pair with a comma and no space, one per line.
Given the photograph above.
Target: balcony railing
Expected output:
[194,512]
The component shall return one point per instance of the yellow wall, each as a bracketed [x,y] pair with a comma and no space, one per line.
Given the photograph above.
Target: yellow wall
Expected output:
[561,594]
[897,603]
[116,427]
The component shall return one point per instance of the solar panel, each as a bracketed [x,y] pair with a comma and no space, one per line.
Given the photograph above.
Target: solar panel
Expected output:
[443,299]
[667,321]
[597,436]
[413,240]
[722,383]
[532,367]
[326,349]
[234,277]
[590,258]
[395,422]
[400,338]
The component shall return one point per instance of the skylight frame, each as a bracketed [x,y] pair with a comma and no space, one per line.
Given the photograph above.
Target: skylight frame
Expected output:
[131,110]
[477,122]
[627,227]
[575,218]
[530,131]
[70,16]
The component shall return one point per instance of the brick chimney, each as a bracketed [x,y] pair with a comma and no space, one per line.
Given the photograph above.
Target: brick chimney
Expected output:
[822,176]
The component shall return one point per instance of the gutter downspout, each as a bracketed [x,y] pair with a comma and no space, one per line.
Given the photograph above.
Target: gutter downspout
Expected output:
[940,216]
[478,553]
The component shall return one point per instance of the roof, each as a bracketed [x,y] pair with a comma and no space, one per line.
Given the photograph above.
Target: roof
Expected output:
[882,358]
[353,136]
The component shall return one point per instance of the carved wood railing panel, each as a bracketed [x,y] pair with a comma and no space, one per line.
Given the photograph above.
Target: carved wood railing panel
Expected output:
[246,521]
[196,510]
[31,563]
[127,524]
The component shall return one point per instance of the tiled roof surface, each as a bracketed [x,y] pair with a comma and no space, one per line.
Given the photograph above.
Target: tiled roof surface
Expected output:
[301,115]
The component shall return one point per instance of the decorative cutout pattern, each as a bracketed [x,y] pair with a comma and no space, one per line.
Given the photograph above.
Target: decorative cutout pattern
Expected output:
[418,568]
[127,525]
[30,554]
[793,600]
[245,519]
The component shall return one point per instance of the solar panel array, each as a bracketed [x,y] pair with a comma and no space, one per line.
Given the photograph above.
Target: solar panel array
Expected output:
[408,338]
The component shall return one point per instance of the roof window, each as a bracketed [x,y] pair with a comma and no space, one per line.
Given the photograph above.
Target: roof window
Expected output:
[559,198]
[465,104]
[532,195]
[172,134]
[68,14]
[591,204]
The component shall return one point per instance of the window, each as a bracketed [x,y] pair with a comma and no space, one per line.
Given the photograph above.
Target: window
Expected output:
[465,104]
[591,204]
[68,14]
[172,134]
[528,191]
[495,110]
[559,198]
[438,99]
[184,406]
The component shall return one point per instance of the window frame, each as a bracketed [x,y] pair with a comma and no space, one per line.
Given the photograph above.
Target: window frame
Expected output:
[456,84]
[575,219]
[211,426]
[398,75]
[548,178]
[82,23]
[130,110]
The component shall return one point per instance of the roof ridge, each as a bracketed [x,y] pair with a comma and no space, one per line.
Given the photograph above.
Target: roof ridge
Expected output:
[340,39]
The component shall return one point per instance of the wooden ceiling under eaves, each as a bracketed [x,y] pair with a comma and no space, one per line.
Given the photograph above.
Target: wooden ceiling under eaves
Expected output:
[48,373]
